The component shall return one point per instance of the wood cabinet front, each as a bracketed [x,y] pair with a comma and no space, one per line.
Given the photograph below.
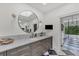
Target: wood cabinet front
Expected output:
[40,47]
[33,49]
[20,51]
[3,54]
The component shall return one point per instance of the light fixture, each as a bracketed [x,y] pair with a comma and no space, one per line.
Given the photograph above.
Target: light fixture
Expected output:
[13,15]
[44,3]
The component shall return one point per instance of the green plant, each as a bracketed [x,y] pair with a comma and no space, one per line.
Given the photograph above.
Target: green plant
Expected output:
[74,30]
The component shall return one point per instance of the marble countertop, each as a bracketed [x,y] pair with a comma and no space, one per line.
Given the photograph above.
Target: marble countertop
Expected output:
[20,41]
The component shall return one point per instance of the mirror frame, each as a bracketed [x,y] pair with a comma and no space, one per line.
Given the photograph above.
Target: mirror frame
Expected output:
[36,17]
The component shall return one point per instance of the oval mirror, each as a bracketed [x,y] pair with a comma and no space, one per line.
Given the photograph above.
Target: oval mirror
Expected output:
[28,21]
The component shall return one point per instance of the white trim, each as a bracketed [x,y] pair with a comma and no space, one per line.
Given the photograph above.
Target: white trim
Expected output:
[69,14]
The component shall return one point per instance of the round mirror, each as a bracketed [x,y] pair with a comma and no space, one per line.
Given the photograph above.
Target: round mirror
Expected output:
[28,21]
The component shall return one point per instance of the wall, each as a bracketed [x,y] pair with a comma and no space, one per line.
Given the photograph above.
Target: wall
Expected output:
[8,24]
[54,18]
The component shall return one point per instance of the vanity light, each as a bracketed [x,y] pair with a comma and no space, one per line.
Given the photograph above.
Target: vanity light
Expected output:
[13,15]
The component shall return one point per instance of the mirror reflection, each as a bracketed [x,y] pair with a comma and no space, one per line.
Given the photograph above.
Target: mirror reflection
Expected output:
[28,21]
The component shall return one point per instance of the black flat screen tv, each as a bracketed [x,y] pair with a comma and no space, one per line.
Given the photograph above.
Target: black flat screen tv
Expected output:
[49,27]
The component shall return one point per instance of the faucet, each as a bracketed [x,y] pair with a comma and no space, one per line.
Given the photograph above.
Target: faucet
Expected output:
[33,35]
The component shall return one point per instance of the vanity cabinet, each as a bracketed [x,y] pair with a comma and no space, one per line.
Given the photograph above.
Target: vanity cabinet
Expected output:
[33,49]
[20,51]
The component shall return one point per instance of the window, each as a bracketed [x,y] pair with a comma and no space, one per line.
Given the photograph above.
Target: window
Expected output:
[70,33]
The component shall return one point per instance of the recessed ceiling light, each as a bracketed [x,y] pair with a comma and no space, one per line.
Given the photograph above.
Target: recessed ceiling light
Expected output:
[44,3]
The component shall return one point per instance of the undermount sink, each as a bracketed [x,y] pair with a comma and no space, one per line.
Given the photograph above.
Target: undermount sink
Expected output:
[5,41]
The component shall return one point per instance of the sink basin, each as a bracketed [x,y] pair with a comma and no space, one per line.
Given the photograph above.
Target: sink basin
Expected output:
[5,41]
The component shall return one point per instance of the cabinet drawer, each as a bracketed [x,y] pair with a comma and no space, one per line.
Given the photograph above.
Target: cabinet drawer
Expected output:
[20,51]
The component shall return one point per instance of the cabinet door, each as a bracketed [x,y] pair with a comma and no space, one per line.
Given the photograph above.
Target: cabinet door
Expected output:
[3,54]
[38,48]
[47,43]
[20,51]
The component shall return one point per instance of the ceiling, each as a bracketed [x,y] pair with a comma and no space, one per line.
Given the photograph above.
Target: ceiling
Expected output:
[46,7]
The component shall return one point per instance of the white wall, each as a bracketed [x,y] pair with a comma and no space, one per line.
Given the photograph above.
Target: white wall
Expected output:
[8,24]
[54,18]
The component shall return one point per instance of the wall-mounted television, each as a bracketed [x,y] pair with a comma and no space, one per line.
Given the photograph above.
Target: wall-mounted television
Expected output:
[49,27]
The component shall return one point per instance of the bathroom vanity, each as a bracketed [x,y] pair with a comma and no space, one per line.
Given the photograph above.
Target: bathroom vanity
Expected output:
[27,47]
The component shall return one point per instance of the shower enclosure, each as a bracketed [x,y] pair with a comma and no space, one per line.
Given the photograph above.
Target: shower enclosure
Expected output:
[70,33]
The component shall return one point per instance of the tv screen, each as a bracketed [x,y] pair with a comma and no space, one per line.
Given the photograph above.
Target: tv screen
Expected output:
[48,27]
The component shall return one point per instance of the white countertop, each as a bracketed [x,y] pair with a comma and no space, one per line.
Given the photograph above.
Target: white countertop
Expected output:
[19,42]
